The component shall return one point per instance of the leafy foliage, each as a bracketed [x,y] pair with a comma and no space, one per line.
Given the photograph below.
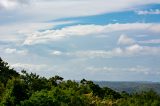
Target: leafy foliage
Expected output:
[29,89]
[6,72]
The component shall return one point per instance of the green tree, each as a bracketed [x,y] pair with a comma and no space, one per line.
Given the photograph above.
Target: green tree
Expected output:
[6,72]
[16,91]
[55,80]
[110,94]
[34,81]
[40,98]
[2,89]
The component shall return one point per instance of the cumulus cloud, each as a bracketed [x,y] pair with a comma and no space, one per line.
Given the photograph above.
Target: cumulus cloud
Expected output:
[125,40]
[84,30]
[15,51]
[143,50]
[148,12]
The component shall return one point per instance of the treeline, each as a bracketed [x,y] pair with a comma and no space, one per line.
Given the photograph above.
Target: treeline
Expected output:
[29,89]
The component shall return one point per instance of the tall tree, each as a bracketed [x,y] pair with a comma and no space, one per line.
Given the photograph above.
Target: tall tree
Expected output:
[6,72]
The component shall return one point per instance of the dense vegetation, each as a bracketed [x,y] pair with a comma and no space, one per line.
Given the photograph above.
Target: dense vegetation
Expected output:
[29,89]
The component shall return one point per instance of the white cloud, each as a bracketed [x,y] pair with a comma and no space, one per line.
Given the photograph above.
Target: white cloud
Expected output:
[53,9]
[125,40]
[136,49]
[25,28]
[30,67]
[9,50]
[133,50]
[84,30]
[10,4]
[17,32]
[44,10]
[15,51]
[52,35]
[32,27]
[101,69]
[143,50]
[90,54]
[148,12]
[57,53]
[129,51]
[135,69]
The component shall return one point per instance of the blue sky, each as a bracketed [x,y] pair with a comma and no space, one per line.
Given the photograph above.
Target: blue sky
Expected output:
[91,39]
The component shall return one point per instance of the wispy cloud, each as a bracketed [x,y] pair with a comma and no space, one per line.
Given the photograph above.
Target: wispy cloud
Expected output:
[15,51]
[129,51]
[84,30]
[148,12]
[137,69]
[17,32]
[152,41]
[44,10]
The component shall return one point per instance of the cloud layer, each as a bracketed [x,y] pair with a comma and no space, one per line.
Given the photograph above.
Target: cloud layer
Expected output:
[108,40]
[132,50]
[84,30]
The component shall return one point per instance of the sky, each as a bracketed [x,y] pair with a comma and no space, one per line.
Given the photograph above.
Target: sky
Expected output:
[104,40]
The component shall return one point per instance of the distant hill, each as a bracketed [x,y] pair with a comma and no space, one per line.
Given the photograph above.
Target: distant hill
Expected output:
[130,87]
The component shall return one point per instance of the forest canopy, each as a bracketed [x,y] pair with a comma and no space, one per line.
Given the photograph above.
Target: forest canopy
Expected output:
[30,89]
